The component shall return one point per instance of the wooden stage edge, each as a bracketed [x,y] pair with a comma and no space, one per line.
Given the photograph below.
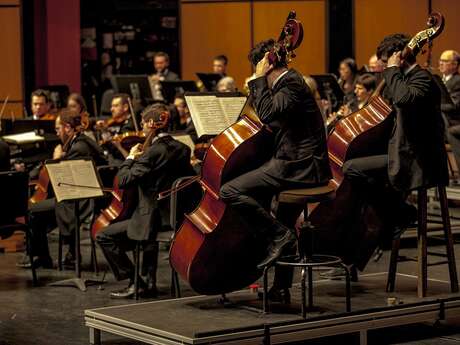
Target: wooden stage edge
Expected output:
[201,320]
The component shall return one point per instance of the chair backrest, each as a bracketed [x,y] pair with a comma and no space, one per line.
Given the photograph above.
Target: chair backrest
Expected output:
[15,195]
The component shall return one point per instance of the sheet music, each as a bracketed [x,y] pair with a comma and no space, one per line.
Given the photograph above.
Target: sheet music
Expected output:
[207,114]
[232,107]
[23,138]
[74,179]
[212,114]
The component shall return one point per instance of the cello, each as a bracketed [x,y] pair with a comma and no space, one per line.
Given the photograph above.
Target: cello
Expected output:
[213,250]
[359,134]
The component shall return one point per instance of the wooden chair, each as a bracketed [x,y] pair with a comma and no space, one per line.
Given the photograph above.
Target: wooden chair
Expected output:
[422,252]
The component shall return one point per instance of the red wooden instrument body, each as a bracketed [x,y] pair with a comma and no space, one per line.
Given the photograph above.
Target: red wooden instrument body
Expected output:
[41,188]
[121,208]
[213,249]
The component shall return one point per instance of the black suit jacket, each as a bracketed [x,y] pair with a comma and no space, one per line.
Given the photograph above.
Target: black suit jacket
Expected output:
[452,110]
[155,171]
[416,152]
[85,147]
[4,156]
[290,110]
[171,76]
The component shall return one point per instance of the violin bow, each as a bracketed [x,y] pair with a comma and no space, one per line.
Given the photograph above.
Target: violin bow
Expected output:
[3,109]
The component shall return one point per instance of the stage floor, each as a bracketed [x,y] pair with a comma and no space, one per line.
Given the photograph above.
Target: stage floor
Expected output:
[203,319]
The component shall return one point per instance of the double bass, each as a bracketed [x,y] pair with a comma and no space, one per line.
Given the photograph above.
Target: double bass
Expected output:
[359,134]
[213,250]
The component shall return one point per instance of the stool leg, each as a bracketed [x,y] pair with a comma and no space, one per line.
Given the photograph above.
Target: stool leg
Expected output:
[393,265]
[422,243]
[94,257]
[60,252]
[265,306]
[136,270]
[303,292]
[448,238]
[310,287]
[347,287]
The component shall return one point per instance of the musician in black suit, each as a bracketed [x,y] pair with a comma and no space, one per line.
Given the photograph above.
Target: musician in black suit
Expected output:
[416,155]
[5,164]
[46,214]
[448,66]
[299,157]
[152,170]
[162,73]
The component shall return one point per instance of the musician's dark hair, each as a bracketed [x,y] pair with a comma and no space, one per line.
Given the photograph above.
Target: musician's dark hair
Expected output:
[222,58]
[394,43]
[79,99]
[351,64]
[154,112]
[368,81]
[161,54]
[258,52]
[124,97]
[41,93]
[70,117]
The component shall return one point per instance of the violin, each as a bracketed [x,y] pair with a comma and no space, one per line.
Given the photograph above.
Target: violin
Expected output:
[213,250]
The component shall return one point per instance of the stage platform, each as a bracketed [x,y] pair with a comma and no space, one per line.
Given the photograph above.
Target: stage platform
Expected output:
[204,320]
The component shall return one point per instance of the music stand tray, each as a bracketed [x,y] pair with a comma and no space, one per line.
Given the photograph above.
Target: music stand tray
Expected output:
[209,80]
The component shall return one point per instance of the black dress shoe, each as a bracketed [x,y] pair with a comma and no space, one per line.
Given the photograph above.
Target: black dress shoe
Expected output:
[127,292]
[69,260]
[277,295]
[338,273]
[276,248]
[44,262]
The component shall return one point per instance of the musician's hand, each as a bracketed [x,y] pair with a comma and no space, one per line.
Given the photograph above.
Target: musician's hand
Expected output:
[135,151]
[58,152]
[394,60]
[263,66]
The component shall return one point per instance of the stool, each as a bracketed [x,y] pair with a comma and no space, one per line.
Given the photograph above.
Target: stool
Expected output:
[422,262]
[306,259]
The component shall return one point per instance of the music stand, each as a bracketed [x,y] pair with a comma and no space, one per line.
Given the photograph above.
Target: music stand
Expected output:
[329,89]
[70,188]
[209,80]
[135,85]
[169,89]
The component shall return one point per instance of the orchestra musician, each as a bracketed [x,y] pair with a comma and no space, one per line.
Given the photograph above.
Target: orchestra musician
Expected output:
[375,65]
[416,155]
[284,103]
[152,169]
[77,103]
[448,66]
[226,84]
[365,86]
[40,103]
[219,65]
[162,73]
[120,122]
[347,79]
[45,215]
